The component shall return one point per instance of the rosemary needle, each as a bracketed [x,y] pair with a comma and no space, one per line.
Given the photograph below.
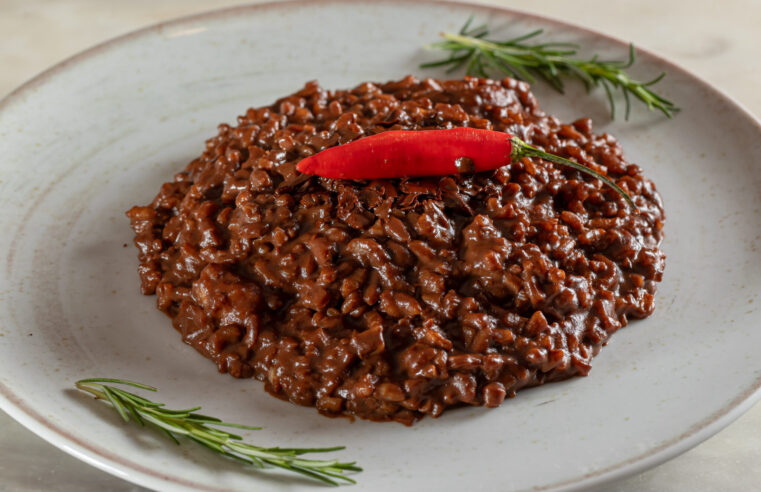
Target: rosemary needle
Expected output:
[198,427]
[550,61]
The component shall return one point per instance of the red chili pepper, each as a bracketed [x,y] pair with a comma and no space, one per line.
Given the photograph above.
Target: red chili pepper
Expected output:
[400,153]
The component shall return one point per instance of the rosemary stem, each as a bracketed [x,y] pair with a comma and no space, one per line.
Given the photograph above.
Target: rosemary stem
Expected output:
[196,427]
[549,61]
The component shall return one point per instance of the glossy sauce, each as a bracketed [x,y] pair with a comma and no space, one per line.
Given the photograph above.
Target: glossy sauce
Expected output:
[395,299]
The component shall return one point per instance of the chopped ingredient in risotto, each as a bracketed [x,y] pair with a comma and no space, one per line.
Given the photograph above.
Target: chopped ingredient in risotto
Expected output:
[392,299]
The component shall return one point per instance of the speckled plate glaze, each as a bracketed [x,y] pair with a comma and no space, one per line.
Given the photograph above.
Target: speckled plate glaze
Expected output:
[98,133]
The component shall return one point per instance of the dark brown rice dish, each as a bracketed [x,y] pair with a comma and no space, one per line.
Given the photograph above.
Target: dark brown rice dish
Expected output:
[394,299]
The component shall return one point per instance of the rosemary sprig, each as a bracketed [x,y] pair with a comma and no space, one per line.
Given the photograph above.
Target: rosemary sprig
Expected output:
[196,427]
[548,61]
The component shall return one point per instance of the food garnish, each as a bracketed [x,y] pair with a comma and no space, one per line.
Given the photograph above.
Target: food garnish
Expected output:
[550,61]
[400,153]
[197,427]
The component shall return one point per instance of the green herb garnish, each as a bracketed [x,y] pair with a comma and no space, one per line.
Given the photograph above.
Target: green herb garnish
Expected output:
[549,61]
[196,427]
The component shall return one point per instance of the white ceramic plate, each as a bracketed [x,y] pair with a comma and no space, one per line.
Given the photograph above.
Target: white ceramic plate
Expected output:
[86,140]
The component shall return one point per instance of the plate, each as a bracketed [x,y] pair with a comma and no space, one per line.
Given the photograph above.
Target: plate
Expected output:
[98,133]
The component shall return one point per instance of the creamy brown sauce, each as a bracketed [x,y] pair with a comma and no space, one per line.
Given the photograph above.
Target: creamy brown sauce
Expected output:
[395,299]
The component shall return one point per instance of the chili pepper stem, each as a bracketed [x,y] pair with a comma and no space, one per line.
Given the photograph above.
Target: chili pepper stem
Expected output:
[522,149]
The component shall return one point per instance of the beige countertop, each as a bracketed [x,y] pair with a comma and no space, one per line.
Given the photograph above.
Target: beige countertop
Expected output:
[719,41]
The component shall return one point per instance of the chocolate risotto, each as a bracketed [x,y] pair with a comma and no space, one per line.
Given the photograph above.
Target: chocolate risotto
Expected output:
[395,299]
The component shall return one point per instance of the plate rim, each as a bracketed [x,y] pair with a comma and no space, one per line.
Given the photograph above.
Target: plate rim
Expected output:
[139,474]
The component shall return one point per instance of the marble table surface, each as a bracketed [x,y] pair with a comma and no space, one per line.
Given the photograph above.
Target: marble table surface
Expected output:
[719,41]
